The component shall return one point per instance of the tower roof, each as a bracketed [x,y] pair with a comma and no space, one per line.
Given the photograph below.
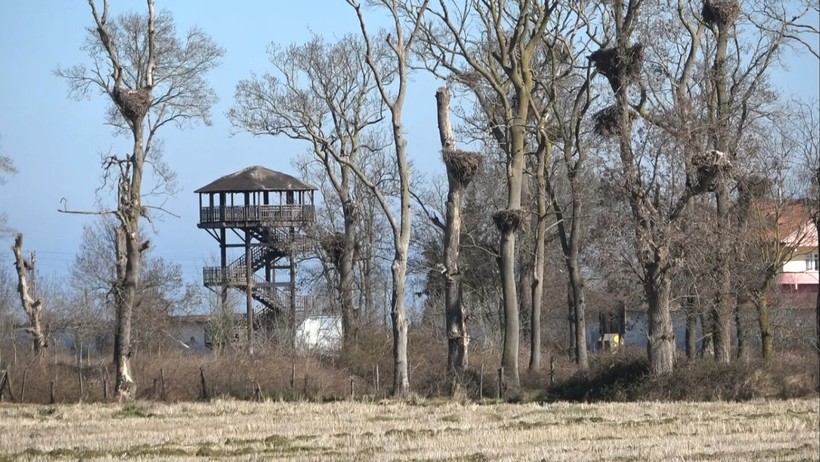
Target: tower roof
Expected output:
[256,178]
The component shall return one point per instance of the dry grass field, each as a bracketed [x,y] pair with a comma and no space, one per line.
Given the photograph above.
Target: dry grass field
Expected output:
[715,431]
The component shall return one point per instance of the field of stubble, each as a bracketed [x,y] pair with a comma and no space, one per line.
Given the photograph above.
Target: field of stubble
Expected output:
[761,430]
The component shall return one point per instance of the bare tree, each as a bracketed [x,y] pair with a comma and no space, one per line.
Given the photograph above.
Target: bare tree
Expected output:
[394,98]
[490,47]
[461,166]
[32,305]
[748,39]
[324,94]
[152,78]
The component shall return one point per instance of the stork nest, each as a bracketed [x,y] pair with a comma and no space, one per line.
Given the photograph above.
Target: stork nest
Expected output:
[462,165]
[707,167]
[720,13]
[334,245]
[616,68]
[509,221]
[608,121]
[134,104]
[753,187]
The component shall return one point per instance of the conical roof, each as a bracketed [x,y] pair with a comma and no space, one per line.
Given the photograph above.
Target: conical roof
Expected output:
[256,178]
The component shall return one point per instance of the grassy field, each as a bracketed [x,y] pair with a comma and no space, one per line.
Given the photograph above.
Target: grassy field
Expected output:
[760,430]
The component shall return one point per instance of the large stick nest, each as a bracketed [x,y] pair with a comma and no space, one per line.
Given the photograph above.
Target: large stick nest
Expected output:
[134,104]
[462,165]
[753,187]
[509,221]
[608,121]
[616,68]
[707,166]
[720,13]
[334,245]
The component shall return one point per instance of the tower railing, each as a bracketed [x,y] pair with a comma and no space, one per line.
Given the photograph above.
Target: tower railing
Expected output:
[269,214]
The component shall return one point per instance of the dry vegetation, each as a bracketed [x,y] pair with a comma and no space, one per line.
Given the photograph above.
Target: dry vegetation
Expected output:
[756,430]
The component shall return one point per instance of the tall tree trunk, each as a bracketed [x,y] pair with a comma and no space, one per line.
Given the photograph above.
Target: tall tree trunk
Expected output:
[724,301]
[571,323]
[509,354]
[691,328]
[661,335]
[461,167]
[538,259]
[508,222]
[346,282]
[579,305]
[398,315]
[742,307]
[765,325]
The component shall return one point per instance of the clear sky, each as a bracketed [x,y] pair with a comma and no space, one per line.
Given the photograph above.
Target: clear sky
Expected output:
[56,142]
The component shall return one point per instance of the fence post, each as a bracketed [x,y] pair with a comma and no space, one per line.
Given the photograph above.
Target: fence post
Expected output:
[352,389]
[481,383]
[376,382]
[552,370]
[203,395]
[23,385]
[105,384]
[53,393]
[80,379]
[293,381]
[304,388]
[500,381]
[162,385]
[2,384]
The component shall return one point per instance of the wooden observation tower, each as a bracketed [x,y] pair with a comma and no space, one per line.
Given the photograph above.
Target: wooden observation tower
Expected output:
[261,216]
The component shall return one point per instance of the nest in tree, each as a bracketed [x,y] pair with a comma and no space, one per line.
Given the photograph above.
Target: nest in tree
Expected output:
[720,13]
[134,104]
[462,165]
[753,187]
[508,221]
[334,245]
[616,68]
[707,166]
[608,121]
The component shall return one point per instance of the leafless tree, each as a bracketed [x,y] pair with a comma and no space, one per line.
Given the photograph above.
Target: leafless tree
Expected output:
[462,166]
[162,291]
[399,42]
[152,79]
[490,47]
[325,94]
[32,304]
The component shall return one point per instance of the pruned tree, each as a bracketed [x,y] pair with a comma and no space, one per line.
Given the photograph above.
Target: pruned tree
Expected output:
[490,47]
[32,305]
[462,166]
[152,79]
[325,94]
[621,64]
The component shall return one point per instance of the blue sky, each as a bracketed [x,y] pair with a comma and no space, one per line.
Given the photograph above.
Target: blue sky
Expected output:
[56,142]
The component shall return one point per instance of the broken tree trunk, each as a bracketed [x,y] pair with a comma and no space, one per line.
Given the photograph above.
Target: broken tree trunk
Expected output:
[31,305]
[461,168]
